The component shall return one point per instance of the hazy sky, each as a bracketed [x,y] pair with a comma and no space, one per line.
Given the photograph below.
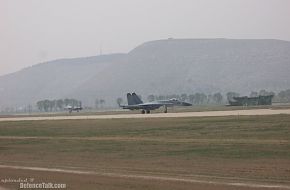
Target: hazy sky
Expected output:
[34,31]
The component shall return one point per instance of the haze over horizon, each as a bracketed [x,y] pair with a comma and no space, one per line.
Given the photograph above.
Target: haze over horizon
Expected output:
[35,31]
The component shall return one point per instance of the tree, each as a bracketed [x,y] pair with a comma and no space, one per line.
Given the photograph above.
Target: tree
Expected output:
[52,104]
[66,102]
[218,98]
[102,102]
[230,95]
[254,94]
[199,98]
[191,98]
[203,98]
[75,102]
[209,98]
[266,93]
[80,103]
[40,105]
[97,103]
[160,97]
[151,98]
[140,97]
[183,97]
[46,105]
[29,108]
[119,101]
[284,95]
[60,104]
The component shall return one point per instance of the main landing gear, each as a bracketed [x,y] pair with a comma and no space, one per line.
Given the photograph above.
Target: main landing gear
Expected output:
[165,109]
[145,111]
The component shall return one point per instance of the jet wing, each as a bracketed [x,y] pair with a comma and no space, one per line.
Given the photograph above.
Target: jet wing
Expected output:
[146,106]
[155,104]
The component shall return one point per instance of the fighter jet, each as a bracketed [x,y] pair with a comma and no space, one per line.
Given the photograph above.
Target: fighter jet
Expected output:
[74,108]
[135,103]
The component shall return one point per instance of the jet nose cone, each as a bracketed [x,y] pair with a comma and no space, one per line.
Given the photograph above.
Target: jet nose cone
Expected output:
[186,104]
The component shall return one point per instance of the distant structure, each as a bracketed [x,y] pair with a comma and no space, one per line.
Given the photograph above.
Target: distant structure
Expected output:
[251,101]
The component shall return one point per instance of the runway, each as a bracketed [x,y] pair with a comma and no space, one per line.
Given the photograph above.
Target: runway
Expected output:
[158,115]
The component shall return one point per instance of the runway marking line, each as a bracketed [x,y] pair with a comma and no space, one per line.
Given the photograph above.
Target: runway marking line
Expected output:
[147,177]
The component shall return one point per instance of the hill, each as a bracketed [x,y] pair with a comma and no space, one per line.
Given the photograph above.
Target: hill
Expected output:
[156,67]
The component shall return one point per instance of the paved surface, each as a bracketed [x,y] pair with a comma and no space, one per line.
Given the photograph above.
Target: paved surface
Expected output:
[158,115]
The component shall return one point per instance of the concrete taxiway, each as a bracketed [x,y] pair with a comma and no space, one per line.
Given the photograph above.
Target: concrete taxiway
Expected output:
[157,115]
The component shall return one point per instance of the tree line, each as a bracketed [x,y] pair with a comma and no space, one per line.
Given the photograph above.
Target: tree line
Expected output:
[217,98]
[56,105]
[284,96]
[99,103]
[196,98]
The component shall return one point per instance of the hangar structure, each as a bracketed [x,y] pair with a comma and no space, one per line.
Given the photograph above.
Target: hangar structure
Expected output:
[251,101]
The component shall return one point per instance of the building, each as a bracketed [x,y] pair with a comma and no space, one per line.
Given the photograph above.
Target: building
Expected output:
[251,101]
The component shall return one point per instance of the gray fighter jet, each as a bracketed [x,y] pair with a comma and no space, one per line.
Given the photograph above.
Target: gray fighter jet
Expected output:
[74,108]
[135,103]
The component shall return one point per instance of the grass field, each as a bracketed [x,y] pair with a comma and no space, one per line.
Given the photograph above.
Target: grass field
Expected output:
[244,149]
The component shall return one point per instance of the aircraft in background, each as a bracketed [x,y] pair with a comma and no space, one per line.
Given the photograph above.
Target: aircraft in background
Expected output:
[135,103]
[74,108]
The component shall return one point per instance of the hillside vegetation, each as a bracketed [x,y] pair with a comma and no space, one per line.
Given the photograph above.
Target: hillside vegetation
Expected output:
[172,66]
